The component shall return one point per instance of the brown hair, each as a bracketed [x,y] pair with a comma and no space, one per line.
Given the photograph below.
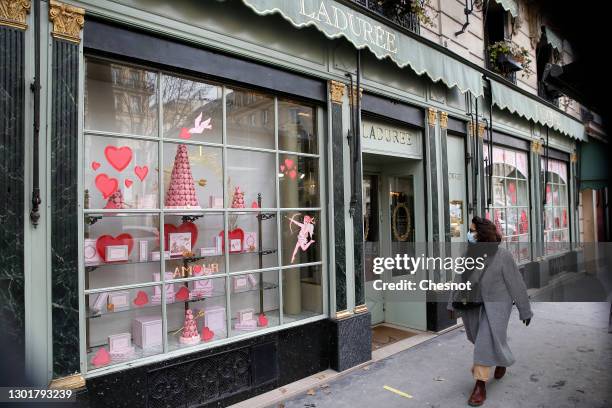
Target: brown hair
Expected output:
[486,231]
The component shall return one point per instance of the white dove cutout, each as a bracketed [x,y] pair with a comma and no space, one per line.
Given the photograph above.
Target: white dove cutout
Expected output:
[200,126]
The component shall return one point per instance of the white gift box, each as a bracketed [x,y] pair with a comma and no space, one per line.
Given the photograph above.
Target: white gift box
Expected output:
[252,279]
[218,241]
[250,242]
[202,288]
[214,319]
[240,283]
[179,242]
[246,315]
[116,253]
[247,325]
[147,331]
[155,255]
[215,202]
[209,251]
[120,345]
[170,288]
[119,300]
[235,245]
[90,253]
[144,250]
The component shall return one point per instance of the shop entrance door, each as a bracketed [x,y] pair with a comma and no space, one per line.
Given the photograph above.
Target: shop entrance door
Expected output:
[394,221]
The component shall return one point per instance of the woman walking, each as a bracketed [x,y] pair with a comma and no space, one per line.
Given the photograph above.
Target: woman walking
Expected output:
[485,309]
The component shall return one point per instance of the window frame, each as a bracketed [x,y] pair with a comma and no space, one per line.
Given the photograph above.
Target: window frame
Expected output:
[319,126]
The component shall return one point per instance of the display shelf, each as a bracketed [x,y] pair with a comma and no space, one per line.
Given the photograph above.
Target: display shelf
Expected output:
[92,314]
[138,354]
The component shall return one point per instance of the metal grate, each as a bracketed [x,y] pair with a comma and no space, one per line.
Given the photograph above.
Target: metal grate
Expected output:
[394,11]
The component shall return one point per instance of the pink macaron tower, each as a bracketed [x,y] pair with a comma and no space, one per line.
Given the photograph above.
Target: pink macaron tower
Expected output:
[190,333]
[115,201]
[181,192]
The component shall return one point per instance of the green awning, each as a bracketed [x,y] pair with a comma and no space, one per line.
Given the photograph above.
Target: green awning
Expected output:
[510,6]
[522,105]
[335,20]
[593,165]
[553,39]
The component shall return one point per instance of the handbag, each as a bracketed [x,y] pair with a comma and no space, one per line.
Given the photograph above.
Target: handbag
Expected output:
[470,299]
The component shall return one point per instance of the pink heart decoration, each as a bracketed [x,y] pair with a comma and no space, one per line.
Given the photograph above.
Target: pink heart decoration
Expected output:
[141,172]
[182,294]
[128,183]
[101,357]
[141,298]
[118,157]
[95,165]
[207,334]
[106,185]
[289,163]
[262,320]
[184,134]
[293,174]
[282,167]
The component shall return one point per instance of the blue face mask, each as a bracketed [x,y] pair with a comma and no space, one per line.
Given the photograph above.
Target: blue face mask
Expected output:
[471,238]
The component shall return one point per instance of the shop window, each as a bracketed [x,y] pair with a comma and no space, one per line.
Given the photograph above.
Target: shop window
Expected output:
[510,200]
[195,214]
[556,211]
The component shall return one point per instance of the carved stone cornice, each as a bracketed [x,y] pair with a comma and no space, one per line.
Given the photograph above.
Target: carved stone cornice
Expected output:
[336,91]
[71,382]
[432,114]
[443,120]
[67,21]
[13,13]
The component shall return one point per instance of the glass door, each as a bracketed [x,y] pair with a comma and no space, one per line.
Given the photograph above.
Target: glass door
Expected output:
[371,233]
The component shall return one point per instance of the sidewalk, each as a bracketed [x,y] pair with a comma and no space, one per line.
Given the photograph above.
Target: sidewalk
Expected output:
[564,359]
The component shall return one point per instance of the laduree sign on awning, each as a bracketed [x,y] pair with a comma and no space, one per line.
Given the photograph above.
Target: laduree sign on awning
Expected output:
[337,20]
[517,103]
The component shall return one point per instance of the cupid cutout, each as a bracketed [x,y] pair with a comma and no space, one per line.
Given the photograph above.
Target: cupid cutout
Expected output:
[304,238]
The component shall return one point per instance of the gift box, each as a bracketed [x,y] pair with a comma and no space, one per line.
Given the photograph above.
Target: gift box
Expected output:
[147,331]
[246,326]
[214,319]
[120,346]
[170,289]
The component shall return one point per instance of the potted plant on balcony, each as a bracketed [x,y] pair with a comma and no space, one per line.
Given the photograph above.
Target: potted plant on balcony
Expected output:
[506,57]
[403,10]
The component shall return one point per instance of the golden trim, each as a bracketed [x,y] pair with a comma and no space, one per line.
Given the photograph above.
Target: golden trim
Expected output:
[67,21]
[343,314]
[361,309]
[72,382]
[431,116]
[470,129]
[573,157]
[481,129]
[537,147]
[443,120]
[401,237]
[13,13]
[352,102]
[336,91]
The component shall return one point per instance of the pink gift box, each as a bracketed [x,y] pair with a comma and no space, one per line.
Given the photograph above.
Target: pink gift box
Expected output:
[147,331]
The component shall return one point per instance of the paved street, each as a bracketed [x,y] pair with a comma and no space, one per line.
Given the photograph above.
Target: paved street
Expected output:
[563,360]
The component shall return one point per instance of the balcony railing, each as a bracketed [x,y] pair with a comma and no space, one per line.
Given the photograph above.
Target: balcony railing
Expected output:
[398,11]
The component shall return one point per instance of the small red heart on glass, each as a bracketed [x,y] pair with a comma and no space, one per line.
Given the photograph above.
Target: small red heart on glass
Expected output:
[254,204]
[262,320]
[289,163]
[184,134]
[141,298]
[128,183]
[95,165]
[182,294]
[106,185]
[293,174]
[207,334]
[282,167]
[197,269]
[118,157]
[107,240]
[101,357]
[141,172]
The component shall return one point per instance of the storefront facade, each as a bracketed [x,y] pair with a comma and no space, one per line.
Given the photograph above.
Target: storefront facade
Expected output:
[185,122]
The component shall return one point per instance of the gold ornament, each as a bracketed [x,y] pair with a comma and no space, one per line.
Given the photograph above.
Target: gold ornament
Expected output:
[13,13]
[336,91]
[401,237]
[67,21]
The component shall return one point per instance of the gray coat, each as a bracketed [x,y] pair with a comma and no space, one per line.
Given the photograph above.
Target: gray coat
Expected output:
[486,327]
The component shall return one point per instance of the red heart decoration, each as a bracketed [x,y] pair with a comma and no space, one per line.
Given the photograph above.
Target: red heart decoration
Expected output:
[197,269]
[234,234]
[207,334]
[106,185]
[184,134]
[101,357]
[95,165]
[262,320]
[184,227]
[128,183]
[292,174]
[141,298]
[254,204]
[182,294]
[289,163]
[118,157]
[141,172]
[106,240]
